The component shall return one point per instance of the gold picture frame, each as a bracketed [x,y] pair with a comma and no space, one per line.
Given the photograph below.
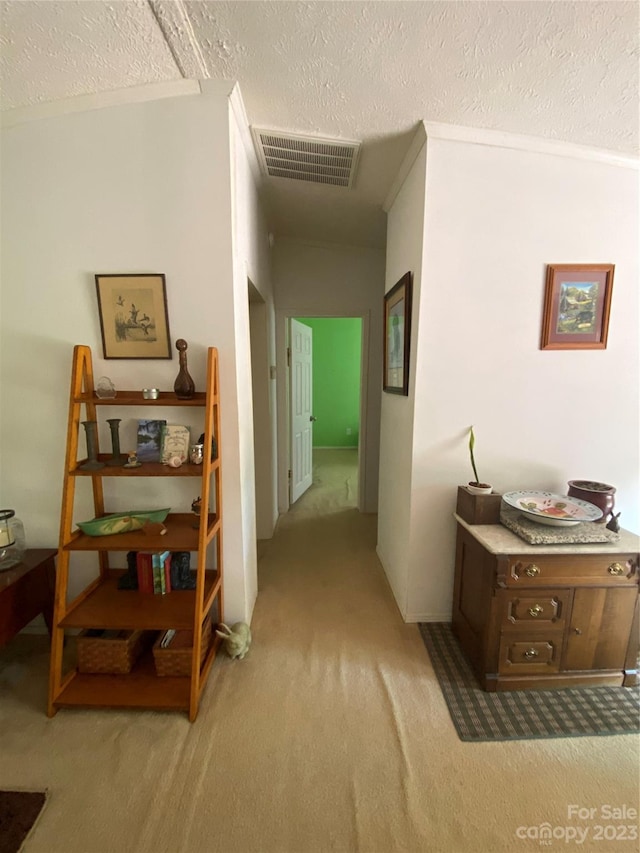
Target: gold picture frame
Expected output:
[134,320]
[577,302]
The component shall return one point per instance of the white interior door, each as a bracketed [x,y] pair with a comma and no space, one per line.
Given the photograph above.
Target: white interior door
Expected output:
[300,382]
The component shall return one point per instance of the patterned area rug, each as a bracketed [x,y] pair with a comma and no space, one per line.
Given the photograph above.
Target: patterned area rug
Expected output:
[19,811]
[523,714]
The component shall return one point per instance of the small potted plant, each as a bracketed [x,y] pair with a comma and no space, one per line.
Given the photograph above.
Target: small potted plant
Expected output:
[476,487]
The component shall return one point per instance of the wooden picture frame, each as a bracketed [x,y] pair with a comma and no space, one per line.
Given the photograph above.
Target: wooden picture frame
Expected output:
[134,321]
[577,302]
[397,334]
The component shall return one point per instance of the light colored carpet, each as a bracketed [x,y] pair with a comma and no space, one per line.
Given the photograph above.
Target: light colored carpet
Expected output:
[332,734]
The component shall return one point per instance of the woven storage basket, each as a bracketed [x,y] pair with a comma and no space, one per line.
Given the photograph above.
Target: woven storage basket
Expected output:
[110,651]
[176,658]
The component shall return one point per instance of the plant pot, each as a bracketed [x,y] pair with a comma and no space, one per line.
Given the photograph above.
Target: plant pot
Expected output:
[598,494]
[479,488]
[478,509]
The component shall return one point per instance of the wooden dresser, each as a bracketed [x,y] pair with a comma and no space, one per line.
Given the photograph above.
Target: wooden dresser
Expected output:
[539,616]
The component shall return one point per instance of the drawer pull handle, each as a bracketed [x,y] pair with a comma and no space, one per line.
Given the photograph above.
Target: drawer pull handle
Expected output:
[531,653]
[532,570]
[577,631]
[536,610]
[616,569]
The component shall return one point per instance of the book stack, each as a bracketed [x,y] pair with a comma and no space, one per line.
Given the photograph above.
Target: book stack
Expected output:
[154,571]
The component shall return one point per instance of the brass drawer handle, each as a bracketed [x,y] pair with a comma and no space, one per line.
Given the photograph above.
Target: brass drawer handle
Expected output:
[532,570]
[536,610]
[531,653]
[616,569]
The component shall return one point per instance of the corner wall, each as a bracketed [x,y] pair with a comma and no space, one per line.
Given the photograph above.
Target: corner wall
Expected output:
[139,187]
[495,217]
[405,238]
[252,269]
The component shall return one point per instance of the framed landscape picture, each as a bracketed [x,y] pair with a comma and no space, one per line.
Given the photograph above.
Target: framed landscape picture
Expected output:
[133,315]
[577,302]
[397,330]
[150,434]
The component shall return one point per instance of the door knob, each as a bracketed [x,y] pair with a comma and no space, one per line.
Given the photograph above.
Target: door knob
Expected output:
[311,418]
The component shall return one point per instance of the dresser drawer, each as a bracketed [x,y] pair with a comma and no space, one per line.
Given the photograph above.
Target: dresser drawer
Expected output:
[533,654]
[573,570]
[534,609]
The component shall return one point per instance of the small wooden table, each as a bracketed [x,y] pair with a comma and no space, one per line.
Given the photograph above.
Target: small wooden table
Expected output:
[26,590]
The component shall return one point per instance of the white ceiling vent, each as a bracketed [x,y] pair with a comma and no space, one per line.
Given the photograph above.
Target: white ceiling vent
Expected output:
[306,158]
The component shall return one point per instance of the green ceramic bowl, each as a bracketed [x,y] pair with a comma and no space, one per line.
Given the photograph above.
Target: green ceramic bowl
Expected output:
[121,522]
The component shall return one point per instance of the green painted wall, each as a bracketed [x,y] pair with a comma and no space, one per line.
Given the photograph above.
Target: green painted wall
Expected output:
[337,343]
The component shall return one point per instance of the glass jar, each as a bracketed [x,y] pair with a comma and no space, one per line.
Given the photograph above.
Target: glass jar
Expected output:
[197,454]
[12,540]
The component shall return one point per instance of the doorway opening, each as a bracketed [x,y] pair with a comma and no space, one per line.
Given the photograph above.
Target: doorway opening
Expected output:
[326,410]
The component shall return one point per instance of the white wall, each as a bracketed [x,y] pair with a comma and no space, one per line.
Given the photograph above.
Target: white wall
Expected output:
[133,188]
[320,280]
[405,237]
[251,264]
[495,218]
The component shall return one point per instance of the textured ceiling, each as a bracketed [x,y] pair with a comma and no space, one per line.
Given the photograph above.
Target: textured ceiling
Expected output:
[364,71]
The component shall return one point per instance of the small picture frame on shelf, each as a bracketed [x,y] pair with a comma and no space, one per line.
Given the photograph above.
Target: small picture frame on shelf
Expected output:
[175,443]
[134,321]
[149,447]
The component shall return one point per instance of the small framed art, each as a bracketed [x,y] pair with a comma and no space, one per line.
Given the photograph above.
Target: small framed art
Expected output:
[133,315]
[577,302]
[150,434]
[397,331]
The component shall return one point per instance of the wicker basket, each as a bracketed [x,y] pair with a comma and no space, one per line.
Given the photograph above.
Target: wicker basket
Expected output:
[110,651]
[175,659]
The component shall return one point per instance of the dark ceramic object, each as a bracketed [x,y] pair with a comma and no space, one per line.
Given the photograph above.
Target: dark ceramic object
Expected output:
[92,463]
[598,494]
[184,385]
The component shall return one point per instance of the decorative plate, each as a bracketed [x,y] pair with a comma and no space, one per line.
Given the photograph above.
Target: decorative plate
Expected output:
[554,510]
[121,522]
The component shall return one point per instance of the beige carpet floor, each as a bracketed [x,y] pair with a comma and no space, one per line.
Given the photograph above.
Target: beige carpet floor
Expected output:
[331,735]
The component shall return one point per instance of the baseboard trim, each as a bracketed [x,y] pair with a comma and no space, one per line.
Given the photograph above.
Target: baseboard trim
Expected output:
[428,617]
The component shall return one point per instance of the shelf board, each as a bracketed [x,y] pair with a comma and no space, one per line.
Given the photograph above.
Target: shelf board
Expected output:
[110,607]
[141,688]
[146,469]
[180,535]
[135,398]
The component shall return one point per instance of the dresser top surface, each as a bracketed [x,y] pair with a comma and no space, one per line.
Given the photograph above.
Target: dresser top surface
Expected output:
[498,539]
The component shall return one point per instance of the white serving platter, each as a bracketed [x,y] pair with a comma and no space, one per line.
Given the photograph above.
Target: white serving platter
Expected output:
[551,509]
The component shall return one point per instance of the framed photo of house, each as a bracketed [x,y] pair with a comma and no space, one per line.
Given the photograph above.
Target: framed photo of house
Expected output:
[577,302]
[397,331]
[133,315]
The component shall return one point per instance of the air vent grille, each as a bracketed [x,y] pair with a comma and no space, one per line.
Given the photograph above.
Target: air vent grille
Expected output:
[306,158]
